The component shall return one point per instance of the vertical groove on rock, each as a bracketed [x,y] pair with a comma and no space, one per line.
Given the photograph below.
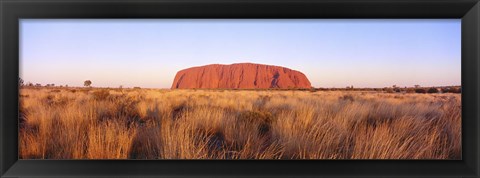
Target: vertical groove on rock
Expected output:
[241,78]
[256,76]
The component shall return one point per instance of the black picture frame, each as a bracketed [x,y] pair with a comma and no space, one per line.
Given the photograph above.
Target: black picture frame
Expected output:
[13,10]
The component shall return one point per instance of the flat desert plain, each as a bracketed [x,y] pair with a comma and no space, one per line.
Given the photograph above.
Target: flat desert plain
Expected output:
[94,123]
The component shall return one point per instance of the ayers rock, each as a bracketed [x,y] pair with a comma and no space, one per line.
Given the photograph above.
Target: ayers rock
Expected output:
[241,75]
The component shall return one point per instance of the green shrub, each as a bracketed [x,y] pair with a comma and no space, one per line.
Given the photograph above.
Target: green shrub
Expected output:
[433,90]
[453,90]
[420,90]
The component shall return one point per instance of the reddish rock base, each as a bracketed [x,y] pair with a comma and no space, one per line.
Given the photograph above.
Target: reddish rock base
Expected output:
[240,76]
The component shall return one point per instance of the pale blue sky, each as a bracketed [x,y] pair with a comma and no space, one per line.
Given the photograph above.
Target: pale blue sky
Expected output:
[331,53]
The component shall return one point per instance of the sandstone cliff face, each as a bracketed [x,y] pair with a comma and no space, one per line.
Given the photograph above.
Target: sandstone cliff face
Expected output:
[239,76]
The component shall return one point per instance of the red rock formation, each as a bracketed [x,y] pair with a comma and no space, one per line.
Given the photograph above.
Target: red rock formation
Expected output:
[242,75]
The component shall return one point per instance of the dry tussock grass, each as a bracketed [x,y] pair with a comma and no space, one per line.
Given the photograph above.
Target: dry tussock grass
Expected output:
[230,124]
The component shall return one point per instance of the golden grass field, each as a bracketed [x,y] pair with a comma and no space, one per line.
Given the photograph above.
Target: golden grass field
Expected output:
[68,123]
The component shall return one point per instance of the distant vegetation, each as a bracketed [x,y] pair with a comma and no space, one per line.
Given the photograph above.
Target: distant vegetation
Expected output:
[90,123]
[395,89]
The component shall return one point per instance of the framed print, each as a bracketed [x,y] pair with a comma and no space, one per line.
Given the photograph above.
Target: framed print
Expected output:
[239,88]
[219,89]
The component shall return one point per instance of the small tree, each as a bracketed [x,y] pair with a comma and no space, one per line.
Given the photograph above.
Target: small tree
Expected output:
[417,86]
[87,83]
[20,81]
